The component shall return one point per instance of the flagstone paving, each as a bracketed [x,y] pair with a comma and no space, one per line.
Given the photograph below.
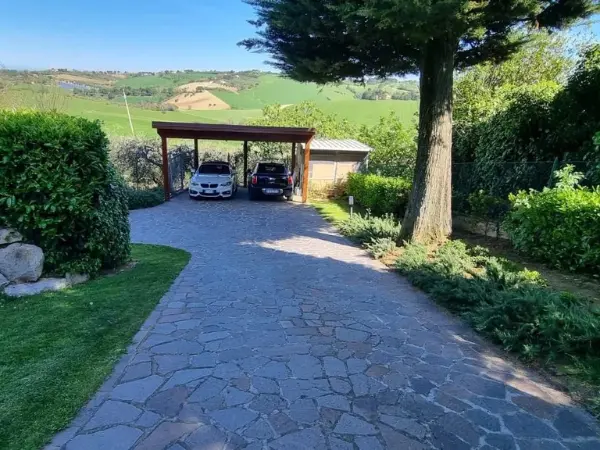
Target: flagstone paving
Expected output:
[281,335]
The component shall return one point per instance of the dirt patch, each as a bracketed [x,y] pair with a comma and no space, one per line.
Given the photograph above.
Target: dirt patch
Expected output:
[199,101]
[193,87]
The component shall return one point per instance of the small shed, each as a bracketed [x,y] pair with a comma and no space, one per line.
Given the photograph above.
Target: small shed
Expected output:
[331,160]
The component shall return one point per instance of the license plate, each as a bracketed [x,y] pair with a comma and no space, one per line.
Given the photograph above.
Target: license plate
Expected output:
[272,191]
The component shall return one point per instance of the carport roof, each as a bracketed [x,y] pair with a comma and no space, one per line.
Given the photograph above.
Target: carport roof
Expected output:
[222,132]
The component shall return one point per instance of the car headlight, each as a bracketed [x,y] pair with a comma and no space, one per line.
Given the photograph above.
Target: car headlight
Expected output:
[226,184]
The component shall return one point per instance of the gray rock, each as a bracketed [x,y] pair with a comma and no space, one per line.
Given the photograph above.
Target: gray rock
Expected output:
[169,363]
[77,278]
[571,424]
[3,281]
[356,365]
[408,426]
[334,402]
[305,366]
[501,441]
[340,386]
[304,411]
[234,397]
[21,262]
[334,367]
[169,402]
[208,389]
[265,385]
[148,420]
[136,371]
[9,236]
[455,424]
[233,418]
[206,437]
[112,413]
[524,425]
[338,444]
[166,433]
[483,419]
[259,430]
[42,285]
[367,443]
[349,424]
[115,438]
[350,335]
[138,390]
[267,403]
[273,369]
[186,376]
[310,438]
[282,424]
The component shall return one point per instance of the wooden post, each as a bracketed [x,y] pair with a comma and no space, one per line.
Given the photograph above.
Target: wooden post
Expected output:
[165,169]
[245,164]
[293,157]
[196,159]
[305,173]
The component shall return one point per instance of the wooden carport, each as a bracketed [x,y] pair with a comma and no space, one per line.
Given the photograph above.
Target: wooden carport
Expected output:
[243,133]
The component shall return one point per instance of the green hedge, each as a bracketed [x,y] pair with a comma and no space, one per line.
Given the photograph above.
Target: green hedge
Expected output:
[144,198]
[59,190]
[560,226]
[381,195]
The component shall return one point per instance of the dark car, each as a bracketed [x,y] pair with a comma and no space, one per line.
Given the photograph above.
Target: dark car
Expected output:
[270,179]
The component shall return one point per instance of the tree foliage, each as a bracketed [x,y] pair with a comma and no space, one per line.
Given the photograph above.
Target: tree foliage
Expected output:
[332,40]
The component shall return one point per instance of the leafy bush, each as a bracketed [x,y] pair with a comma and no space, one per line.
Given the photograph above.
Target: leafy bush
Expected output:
[144,198]
[510,305]
[394,147]
[380,247]
[560,226]
[380,195]
[364,229]
[58,189]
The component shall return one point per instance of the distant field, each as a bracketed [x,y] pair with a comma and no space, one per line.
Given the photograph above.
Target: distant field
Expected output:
[368,112]
[163,80]
[274,89]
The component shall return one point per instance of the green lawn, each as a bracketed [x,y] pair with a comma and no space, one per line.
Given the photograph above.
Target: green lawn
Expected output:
[368,112]
[57,348]
[335,210]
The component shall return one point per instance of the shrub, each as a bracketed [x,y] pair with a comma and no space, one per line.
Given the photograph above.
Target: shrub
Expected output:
[379,247]
[58,189]
[560,226]
[364,229]
[380,195]
[144,198]
[504,302]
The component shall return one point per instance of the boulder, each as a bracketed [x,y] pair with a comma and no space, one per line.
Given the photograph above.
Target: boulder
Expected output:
[3,281]
[43,285]
[21,262]
[9,236]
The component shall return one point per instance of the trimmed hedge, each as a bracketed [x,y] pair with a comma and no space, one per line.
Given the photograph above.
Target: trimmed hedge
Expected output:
[560,226]
[380,195]
[144,198]
[59,190]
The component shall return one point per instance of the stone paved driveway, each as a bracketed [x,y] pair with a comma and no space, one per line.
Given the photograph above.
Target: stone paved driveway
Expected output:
[281,335]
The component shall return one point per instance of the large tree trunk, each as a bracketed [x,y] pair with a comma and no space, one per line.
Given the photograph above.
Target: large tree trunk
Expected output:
[428,217]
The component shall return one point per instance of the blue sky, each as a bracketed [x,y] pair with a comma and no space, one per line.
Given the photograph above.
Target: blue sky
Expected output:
[129,34]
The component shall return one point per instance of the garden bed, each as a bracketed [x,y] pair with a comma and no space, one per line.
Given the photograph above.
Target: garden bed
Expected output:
[57,348]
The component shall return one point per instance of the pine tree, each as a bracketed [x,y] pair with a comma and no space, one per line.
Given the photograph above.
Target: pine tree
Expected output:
[333,40]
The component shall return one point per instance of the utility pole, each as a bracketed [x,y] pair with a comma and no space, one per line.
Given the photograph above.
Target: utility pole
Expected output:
[128,113]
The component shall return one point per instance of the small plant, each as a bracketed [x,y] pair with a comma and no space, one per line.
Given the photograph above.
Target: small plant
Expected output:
[567,178]
[379,247]
[366,228]
[144,198]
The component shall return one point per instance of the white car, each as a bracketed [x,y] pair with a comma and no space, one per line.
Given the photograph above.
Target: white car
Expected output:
[213,179]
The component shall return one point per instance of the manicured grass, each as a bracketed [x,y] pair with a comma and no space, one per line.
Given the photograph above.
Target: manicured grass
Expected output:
[57,348]
[335,210]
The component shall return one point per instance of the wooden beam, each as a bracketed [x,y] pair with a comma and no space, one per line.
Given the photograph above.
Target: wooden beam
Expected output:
[165,169]
[245,164]
[305,173]
[293,157]
[196,158]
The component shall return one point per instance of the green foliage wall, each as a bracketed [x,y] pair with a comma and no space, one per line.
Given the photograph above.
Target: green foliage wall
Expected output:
[560,226]
[58,189]
[381,195]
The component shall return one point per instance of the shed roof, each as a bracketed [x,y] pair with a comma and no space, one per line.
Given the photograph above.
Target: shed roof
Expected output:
[338,145]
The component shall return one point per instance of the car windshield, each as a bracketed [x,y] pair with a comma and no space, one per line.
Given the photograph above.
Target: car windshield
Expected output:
[214,169]
[271,168]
